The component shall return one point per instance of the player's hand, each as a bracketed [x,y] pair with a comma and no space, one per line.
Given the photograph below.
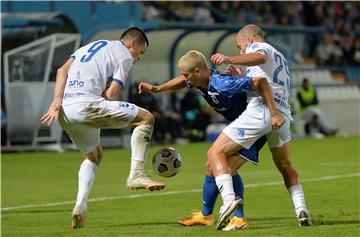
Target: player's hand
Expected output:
[277,121]
[219,58]
[52,114]
[143,86]
[234,71]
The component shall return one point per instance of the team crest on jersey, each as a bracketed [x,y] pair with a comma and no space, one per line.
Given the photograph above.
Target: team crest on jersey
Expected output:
[254,46]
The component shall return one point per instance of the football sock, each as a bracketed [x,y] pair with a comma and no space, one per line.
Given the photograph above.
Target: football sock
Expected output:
[210,193]
[225,186]
[140,142]
[298,198]
[86,175]
[239,191]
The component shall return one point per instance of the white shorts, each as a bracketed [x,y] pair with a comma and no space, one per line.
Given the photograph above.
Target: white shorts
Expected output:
[83,121]
[254,123]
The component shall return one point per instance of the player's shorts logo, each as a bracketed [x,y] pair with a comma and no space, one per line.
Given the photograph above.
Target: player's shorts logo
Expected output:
[241,132]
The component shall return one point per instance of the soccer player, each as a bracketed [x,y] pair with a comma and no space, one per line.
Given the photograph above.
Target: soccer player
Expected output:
[226,95]
[84,104]
[261,60]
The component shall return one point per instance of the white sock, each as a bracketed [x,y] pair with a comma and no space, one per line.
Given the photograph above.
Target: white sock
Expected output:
[225,185]
[140,142]
[86,175]
[298,198]
[136,167]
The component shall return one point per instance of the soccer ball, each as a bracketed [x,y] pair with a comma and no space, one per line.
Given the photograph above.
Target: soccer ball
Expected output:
[167,162]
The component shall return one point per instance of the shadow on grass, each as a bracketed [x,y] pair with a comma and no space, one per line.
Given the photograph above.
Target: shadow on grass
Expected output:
[336,222]
[272,222]
[142,224]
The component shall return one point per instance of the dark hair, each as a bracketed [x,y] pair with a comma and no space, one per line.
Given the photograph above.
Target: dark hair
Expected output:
[135,32]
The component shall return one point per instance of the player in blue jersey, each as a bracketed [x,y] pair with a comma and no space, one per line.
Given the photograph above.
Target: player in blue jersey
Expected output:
[226,95]
[261,60]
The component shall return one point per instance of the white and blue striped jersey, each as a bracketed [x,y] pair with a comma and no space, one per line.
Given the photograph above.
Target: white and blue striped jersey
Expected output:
[276,71]
[93,65]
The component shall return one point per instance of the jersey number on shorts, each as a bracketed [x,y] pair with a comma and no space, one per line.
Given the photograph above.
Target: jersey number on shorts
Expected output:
[92,51]
[281,63]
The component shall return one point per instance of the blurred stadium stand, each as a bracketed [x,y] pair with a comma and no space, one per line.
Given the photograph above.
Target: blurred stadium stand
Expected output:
[173,28]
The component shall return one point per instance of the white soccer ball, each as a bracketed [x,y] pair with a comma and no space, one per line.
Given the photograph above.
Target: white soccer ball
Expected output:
[167,162]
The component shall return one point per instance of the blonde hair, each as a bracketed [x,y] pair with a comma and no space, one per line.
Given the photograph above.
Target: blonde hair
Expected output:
[193,59]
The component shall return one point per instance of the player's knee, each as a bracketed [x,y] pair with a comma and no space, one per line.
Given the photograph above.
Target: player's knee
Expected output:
[233,167]
[148,118]
[286,167]
[208,167]
[95,156]
[210,155]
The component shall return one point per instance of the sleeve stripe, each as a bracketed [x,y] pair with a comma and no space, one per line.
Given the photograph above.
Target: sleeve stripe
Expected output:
[121,82]
[72,56]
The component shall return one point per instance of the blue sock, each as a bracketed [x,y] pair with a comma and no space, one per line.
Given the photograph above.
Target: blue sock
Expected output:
[210,193]
[239,191]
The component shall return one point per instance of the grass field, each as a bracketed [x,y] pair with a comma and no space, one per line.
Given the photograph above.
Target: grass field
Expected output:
[38,190]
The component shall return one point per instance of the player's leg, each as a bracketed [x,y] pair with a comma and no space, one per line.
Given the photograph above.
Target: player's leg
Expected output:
[210,192]
[251,125]
[218,156]
[280,146]
[140,142]
[239,222]
[87,140]
[209,195]
[281,158]
[86,177]
[119,114]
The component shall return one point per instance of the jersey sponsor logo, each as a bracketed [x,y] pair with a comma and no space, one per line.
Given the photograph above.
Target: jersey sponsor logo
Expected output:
[281,100]
[70,95]
[76,83]
[282,103]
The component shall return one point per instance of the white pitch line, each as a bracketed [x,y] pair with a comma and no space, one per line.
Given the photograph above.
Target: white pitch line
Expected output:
[173,192]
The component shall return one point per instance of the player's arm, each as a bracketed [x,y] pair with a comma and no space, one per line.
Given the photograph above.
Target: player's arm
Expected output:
[174,84]
[249,59]
[119,77]
[231,85]
[113,91]
[261,85]
[52,114]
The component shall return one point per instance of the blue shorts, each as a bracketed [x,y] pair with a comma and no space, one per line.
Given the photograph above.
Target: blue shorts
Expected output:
[252,154]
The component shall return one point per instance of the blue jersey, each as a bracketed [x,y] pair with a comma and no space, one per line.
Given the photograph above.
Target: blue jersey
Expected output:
[227,96]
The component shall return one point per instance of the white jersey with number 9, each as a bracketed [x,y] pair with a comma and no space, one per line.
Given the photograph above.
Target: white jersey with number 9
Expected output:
[93,65]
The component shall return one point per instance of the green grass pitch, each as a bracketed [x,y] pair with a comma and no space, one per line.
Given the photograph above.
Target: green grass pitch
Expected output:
[38,190]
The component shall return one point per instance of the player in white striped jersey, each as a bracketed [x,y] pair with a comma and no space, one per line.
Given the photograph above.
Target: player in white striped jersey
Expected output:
[261,60]
[84,104]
